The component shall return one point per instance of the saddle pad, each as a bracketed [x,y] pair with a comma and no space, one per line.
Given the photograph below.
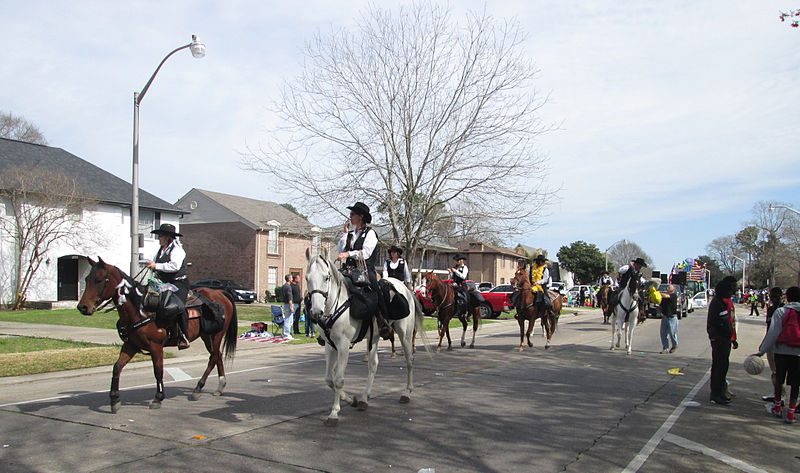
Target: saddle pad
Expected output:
[553,295]
[193,300]
[193,313]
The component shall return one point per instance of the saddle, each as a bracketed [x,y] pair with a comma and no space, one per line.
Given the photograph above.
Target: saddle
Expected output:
[211,313]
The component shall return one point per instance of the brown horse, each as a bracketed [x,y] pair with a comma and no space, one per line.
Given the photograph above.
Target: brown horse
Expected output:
[527,310]
[602,297]
[444,299]
[140,332]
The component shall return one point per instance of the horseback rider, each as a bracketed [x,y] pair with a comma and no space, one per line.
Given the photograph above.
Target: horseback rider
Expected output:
[458,274]
[521,263]
[540,283]
[396,267]
[605,279]
[631,270]
[360,241]
[170,267]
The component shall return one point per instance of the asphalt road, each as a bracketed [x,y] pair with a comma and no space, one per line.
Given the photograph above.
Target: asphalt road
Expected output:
[575,407]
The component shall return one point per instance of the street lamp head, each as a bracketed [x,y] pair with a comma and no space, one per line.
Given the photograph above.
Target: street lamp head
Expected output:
[198,49]
[771,208]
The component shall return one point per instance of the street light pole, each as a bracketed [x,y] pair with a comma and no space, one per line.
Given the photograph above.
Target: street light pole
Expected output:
[773,207]
[198,50]
[744,269]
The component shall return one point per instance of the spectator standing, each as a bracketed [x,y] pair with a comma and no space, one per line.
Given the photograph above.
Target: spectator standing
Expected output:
[783,337]
[669,320]
[775,302]
[721,333]
[753,303]
[297,300]
[582,297]
[288,307]
[311,329]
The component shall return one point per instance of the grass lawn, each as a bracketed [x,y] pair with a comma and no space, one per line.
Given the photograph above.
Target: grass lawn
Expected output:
[31,355]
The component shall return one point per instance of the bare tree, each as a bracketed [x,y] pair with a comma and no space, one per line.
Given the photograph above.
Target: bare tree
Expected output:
[723,250]
[17,128]
[624,252]
[791,237]
[770,224]
[41,208]
[429,120]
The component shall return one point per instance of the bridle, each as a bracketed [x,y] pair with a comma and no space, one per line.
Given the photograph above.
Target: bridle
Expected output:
[439,306]
[119,299]
[324,321]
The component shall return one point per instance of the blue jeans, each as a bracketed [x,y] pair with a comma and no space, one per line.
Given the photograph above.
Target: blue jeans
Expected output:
[669,329]
[288,315]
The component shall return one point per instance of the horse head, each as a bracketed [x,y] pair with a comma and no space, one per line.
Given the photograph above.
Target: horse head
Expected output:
[101,284]
[520,280]
[320,276]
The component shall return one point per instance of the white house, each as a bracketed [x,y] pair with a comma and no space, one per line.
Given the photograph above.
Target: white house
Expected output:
[105,229]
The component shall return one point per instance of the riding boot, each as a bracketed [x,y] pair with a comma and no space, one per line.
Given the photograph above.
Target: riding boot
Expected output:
[183,331]
[383,327]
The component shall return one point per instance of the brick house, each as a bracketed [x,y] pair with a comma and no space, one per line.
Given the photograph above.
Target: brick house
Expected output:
[489,262]
[252,242]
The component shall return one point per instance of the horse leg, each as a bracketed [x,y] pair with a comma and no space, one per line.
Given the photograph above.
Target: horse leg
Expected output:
[464,325]
[521,321]
[157,355]
[441,333]
[613,329]
[547,330]
[202,381]
[394,352]
[372,368]
[125,354]
[405,341]
[475,319]
[334,378]
[531,328]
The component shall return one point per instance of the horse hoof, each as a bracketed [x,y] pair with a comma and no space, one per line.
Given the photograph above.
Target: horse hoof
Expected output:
[362,405]
[519,349]
[354,402]
[115,407]
[438,349]
[217,393]
[195,396]
[404,399]
[547,347]
[463,344]
[449,348]
[530,344]
[155,404]
[331,422]
[612,348]
[394,355]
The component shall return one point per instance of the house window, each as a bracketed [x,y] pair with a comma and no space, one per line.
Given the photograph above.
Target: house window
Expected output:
[272,277]
[272,241]
[146,222]
[502,261]
[502,280]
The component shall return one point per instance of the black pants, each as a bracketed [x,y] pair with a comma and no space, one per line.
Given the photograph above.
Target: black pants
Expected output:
[787,368]
[754,307]
[720,359]
[298,306]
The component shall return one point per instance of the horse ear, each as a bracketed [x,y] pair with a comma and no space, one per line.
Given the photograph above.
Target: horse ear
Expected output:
[91,261]
[100,262]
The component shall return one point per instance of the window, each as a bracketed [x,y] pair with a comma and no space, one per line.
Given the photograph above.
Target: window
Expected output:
[146,222]
[272,277]
[502,280]
[272,241]
[502,261]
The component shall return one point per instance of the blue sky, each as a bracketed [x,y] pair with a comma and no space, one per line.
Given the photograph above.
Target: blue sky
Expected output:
[674,117]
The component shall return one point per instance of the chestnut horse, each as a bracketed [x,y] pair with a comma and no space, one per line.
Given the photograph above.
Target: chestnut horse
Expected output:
[602,299]
[444,299]
[140,332]
[527,310]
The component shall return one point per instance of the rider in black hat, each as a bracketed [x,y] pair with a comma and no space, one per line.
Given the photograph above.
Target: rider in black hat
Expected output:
[631,270]
[396,267]
[360,241]
[540,282]
[170,266]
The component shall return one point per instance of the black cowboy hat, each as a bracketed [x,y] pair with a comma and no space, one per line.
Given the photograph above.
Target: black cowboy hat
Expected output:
[361,208]
[522,261]
[605,272]
[540,258]
[166,229]
[640,261]
[395,248]
[459,256]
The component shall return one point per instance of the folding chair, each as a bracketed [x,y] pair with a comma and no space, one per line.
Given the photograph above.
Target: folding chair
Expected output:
[277,319]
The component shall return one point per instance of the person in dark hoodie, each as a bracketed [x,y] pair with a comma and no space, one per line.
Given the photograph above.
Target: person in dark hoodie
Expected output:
[722,334]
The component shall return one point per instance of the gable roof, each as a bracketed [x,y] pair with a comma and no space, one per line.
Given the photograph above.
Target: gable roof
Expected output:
[101,184]
[217,207]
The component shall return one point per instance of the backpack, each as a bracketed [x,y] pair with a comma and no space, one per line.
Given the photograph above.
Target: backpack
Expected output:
[790,332]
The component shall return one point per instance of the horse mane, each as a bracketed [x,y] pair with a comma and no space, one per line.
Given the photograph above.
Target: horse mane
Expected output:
[136,295]
[522,279]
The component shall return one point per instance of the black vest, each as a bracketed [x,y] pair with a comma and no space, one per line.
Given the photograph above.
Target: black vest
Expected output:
[359,245]
[399,272]
[458,279]
[165,258]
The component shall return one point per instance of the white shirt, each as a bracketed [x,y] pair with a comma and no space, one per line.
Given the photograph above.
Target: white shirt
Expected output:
[545,278]
[370,242]
[390,264]
[176,257]
[461,272]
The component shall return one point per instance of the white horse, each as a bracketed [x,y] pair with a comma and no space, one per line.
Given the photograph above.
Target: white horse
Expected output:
[330,300]
[625,314]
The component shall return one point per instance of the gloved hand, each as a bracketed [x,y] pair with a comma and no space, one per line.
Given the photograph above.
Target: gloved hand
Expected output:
[735,344]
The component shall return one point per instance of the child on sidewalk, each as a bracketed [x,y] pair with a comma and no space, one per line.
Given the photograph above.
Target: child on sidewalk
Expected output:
[783,337]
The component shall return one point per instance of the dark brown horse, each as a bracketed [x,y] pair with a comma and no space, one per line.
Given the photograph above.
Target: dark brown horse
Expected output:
[444,299]
[141,333]
[527,310]
[602,298]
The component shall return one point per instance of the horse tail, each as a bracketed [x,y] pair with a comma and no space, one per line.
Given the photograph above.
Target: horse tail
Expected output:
[232,334]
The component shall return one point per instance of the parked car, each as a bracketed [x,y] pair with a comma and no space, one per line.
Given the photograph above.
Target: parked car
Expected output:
[488,308]
[574,292]
[499,297]
[698,301]
[559,287]
[485,286]
[654,310]
[237,292]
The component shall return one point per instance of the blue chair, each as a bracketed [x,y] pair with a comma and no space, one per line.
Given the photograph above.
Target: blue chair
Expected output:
[277,319]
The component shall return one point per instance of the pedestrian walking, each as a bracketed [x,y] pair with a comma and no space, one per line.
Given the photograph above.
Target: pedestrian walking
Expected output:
[669,320]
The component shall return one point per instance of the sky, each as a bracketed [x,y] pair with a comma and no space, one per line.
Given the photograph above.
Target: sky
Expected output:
[673,118]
